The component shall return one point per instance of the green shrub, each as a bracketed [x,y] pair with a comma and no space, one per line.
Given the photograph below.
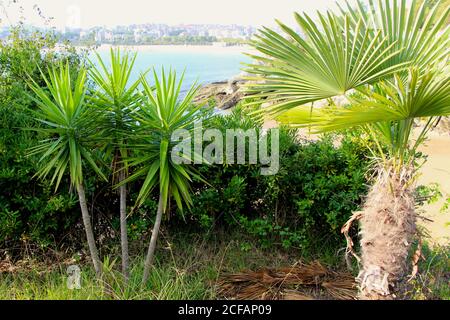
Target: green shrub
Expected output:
[29,209]
[318,187]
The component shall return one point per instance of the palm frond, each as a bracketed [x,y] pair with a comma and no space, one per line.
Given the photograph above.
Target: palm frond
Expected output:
[402,98]
[339,53]
[418,34]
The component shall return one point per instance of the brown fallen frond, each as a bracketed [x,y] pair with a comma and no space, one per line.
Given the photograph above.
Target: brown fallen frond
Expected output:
[295,295]
[300,282]
[341,288]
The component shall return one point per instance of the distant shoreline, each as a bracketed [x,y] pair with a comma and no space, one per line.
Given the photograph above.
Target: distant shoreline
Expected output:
[179,48]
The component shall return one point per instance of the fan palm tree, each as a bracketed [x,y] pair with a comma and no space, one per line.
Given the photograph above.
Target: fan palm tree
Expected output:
[390,62]
[162,112]
[69,125]
[116,98]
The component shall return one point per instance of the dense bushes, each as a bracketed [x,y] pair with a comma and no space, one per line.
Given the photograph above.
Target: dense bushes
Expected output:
[29,209]
[306,203]
[319,185]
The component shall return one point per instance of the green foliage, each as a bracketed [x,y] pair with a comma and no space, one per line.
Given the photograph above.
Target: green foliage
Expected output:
[161,113]
[431,283]
[314,193]
[29,209]
[366,48]
[428,194]
[446,205]
[318,186]
[115,98]
[343,52]
[387,112]
[141,220]
[69,126]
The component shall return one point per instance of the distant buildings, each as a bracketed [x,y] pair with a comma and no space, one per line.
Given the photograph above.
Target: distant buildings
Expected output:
[148,33]
[157,34]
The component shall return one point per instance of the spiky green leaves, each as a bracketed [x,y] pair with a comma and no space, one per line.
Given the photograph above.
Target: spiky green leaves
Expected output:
[162,112]
[115,93]
[67,122]
[115,98]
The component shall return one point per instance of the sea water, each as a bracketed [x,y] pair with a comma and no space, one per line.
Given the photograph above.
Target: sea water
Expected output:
[201,66]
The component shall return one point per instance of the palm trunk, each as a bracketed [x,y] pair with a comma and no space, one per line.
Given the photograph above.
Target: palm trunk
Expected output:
[88,228]
[388,226]
[152,246]
[123,226]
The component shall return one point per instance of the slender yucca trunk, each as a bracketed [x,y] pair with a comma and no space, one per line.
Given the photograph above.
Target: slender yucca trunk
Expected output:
[123,226]
[88,228]
[152,246]
[388,226]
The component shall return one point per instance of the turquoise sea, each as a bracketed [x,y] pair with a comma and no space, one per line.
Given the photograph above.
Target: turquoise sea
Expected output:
[202,65]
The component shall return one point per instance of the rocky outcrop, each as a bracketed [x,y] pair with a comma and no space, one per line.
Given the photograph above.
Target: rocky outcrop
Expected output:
[226,94]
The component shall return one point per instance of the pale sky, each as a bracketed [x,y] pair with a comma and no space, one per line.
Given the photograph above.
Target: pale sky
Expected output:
[89,13]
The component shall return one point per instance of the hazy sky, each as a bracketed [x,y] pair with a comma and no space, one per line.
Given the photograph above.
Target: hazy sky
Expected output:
[88,13]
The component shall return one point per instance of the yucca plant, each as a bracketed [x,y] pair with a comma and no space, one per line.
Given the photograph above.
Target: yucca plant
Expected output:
[115,98]
[68,123]
[389,61]
[162,112]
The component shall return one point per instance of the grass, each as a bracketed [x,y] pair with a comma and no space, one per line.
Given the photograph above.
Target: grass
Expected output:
[187,268]
[433,279]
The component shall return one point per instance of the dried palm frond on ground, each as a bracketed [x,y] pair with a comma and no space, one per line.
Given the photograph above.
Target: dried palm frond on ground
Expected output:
[7,266]
[51,262]
[300,282]
[30,265]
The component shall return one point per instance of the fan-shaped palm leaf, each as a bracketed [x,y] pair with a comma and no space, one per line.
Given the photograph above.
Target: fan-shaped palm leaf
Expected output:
[419,35]
[340,53]
[400,99]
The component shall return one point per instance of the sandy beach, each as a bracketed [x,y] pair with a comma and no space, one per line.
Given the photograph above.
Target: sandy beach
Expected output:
[437,170]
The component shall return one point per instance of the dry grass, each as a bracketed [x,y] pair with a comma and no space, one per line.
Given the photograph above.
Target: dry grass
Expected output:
[300,282]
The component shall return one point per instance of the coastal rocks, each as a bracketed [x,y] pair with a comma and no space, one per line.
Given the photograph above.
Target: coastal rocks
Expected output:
[226,94]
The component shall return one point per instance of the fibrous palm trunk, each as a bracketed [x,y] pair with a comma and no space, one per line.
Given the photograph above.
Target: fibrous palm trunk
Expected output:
[89,232]
[152,246]
[388,227]
[123,226]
